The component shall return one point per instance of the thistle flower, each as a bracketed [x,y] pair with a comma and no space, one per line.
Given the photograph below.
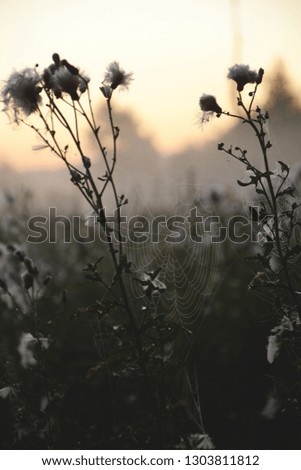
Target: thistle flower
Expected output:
[21,93]
[208,104]
[65,82]
[115,76]
[62,77]
[242,74]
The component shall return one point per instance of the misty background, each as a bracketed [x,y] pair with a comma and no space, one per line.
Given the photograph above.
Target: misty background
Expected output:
[152,181]
[159,172]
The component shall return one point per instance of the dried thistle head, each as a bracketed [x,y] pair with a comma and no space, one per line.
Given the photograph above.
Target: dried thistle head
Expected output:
[21,93]
[62,77]
[115,76]
[242,74]
[208,105]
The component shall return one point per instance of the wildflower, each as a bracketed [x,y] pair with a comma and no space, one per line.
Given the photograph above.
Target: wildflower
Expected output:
[6,392]
[63,81]
[208,104]
[62,77]
[25,349]
[242,74]
[115,76]
[21,92]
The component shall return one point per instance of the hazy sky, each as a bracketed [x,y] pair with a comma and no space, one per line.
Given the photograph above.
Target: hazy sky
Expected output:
[176,49]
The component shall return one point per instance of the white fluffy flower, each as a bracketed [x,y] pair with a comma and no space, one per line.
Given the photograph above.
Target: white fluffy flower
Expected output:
[115,76]
[242,74]
[21,92]
[25,349]
[208,104]
[63,81]
[62,77]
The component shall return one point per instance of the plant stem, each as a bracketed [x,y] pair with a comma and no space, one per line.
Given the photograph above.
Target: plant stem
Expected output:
[260,134]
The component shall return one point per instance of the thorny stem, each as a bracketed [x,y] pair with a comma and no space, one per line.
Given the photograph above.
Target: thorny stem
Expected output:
[98,208]
[56,148]
[260,134]
[90,106]
[109,171]
[108,236]
[163,389]
[76,122]
[253,97]
[115,133]
[253,169]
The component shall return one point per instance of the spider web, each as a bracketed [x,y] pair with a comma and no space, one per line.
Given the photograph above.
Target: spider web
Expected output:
[189,269]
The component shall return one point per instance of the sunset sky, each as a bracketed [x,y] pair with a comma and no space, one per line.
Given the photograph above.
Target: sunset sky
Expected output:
[176,49]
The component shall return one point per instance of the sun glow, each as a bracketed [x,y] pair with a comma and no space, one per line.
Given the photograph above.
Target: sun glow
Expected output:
[176,50]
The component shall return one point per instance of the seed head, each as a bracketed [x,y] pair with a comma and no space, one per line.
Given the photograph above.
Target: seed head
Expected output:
[115,76]
[208,104]
[242,74]
[21,93]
